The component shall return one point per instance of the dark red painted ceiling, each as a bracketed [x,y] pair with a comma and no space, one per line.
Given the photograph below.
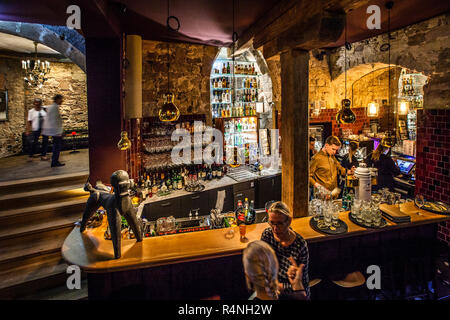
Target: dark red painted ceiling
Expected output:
[202,21]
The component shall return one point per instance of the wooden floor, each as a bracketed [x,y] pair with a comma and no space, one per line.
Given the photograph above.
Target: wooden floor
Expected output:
[18,167]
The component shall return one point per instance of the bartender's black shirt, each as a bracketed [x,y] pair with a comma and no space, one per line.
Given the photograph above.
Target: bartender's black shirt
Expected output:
[387,170]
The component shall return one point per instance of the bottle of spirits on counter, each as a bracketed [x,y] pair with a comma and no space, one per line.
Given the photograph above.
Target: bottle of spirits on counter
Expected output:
[240,215]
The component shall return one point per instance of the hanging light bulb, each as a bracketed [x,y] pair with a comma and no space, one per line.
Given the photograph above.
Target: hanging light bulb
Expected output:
[403,108]
[124,143]
[372,109]
[345,114]
[169,111]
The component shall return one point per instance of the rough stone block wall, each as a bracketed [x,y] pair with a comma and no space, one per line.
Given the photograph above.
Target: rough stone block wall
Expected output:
[432,163]
[65,78]
[424,47]
[190,69]
[11,130]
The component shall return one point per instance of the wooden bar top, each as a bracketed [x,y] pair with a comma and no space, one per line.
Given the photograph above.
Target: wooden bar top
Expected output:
[94,254]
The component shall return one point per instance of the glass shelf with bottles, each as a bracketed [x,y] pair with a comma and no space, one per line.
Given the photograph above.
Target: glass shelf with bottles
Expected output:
[225,83]
[240,109]
[242,68]
[411,88]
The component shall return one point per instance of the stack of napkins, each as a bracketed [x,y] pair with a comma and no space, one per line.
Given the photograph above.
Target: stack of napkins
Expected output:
[393,213]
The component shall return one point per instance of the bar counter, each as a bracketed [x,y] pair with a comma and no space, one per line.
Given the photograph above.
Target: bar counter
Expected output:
[94,254]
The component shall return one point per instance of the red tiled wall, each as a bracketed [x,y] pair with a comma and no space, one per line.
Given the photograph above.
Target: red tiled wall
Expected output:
[329,115]
[432,162]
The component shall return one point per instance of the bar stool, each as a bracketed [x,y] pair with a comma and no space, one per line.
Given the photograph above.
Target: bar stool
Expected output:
[351,287]
[314,291]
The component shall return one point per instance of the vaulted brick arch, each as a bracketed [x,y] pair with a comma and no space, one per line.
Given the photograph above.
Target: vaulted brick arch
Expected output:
[50,38]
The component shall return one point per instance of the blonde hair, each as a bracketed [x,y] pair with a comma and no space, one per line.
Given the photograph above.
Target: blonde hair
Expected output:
[261,268]
[377,152]
[353,148]
[280,207]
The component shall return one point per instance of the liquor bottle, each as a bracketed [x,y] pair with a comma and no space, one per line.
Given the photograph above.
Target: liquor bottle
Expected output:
[219,171]
[246,207]
[224,69]
[154,185]
[174,181]
[169,181]
[219,83]
[180,180]
[228,67]
[240,216]
[253,68]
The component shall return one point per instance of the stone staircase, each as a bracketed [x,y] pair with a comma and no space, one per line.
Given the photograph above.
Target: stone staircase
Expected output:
[36,215]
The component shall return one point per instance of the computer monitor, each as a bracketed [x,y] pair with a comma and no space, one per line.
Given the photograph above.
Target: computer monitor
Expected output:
[405,166]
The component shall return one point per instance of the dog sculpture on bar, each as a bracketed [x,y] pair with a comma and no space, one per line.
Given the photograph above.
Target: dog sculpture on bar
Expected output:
[116,205]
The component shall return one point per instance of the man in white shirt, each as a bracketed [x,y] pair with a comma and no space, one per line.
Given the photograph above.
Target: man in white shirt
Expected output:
[35,121]
[53,127]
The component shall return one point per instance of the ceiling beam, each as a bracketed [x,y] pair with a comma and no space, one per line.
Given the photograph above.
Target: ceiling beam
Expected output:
[291,17]
[315,32]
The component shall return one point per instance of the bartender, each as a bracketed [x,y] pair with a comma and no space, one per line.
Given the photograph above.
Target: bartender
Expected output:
[349,159]
[324,167]
[387,169]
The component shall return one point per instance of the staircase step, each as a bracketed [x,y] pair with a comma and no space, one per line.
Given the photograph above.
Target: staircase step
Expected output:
[42,196]
[24,185]
[42,211]
[29,278]
[59,222]
[26,251]
[60,293]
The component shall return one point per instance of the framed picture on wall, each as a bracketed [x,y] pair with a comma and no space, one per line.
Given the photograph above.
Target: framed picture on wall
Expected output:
[3,105]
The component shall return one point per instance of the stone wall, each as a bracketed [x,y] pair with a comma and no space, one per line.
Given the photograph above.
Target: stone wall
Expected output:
[423,47]
[11,79]
[65,78]
[190,69]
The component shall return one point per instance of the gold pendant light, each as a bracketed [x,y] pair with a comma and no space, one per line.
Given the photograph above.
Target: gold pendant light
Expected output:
[345,114]
[169,111]
[124,143]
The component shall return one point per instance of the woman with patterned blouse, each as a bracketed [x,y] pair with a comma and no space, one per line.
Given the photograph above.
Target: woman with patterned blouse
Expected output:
[287,245]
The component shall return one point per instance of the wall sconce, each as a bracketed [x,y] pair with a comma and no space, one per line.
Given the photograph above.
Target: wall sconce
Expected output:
[403,108]
[372,109]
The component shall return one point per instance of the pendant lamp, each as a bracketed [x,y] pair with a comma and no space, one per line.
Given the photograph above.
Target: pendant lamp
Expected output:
[124,143]
[345,114]
[169,111]
[372,107]
[389,140]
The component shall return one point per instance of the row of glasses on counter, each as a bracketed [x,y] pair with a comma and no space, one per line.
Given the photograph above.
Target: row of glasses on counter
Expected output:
[367,212]
[326,212]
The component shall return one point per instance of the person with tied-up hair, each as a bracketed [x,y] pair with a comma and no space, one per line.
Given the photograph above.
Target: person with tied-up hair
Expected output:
[290,248]
[261,273]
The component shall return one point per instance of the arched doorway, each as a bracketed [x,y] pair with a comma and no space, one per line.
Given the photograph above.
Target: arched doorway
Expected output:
[66,77]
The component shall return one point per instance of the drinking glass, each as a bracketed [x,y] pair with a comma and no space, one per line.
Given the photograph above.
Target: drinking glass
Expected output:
[398,197]
[356,209]
[366,213]
[376,216]
[242,230]
[327,216]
